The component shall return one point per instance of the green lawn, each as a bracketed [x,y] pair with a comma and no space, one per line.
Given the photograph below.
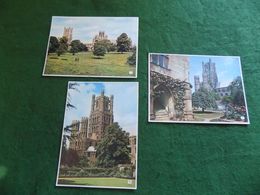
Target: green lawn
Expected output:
[112,64]
[207,116]
[98,181]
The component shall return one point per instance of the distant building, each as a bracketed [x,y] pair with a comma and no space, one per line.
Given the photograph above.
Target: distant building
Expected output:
[169,75]
[197,82]
[88,132]
[99,37]
[132,143]
[209,77]
[223,91]
[210,80]
[68,33]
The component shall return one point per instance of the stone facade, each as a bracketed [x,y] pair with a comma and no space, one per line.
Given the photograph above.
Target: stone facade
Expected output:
[68,33]
[99,37]
[171,71]
[101,115]
[223,91]
[86,133]
[132,144]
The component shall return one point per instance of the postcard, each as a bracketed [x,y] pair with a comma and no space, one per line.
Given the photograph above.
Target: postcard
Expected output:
[196,89]
[99,137]
[92,47]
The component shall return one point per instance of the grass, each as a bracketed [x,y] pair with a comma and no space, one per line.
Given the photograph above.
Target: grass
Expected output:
[112,64]
[207,116]
[97,181]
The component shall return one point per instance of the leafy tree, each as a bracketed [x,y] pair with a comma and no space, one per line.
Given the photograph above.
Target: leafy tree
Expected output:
[83,47]
[237,93]
[123,43]
[105,43]
[99,49]
[69,157]
[83,161]
[131,60]
[71,86]
[63,47]
[75,46]
[69,105]
[113,147]
[53,44]
[226,100]
[204,99]
[112,47]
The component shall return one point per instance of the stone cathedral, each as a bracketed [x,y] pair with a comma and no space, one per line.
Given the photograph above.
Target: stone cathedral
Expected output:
[89,131]
[67,32]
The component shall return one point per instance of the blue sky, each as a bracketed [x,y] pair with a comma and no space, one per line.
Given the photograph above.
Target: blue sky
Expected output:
[227,67]
[85,28]
[124,113]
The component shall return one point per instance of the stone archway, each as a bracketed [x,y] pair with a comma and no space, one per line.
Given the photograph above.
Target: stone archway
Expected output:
[164,104]
[171,96]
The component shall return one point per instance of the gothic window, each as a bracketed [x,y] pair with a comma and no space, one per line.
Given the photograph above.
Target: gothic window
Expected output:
[160,60]
[154,59]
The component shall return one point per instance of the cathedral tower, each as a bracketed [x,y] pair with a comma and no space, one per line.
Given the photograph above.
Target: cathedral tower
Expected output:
[68,33]
[101,115]
[209,75]
[197,82]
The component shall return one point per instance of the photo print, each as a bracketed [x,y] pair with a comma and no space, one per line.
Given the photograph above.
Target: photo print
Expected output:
[99,136]
[196,89]
[92,47]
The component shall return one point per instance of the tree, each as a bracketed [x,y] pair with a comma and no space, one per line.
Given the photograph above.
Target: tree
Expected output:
[113,147]
[105,43]
[204,98]
[237,93]
[83,47]
[226,100]
[99,49]
[53,44]
[131,60]
[83,161]
[63,47]
[112,47]
[123,43]
[75,46]
[69,157]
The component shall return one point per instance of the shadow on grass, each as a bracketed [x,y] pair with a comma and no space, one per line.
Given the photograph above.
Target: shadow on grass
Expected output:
[205,112]
[99,58]
[70,182]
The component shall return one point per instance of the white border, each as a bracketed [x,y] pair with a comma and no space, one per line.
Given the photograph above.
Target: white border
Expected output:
[108,187]
[93,76]
[196,122]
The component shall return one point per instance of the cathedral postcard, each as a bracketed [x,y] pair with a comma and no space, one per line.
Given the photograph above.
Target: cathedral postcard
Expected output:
[92,47]
[99,136]
[196,89]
